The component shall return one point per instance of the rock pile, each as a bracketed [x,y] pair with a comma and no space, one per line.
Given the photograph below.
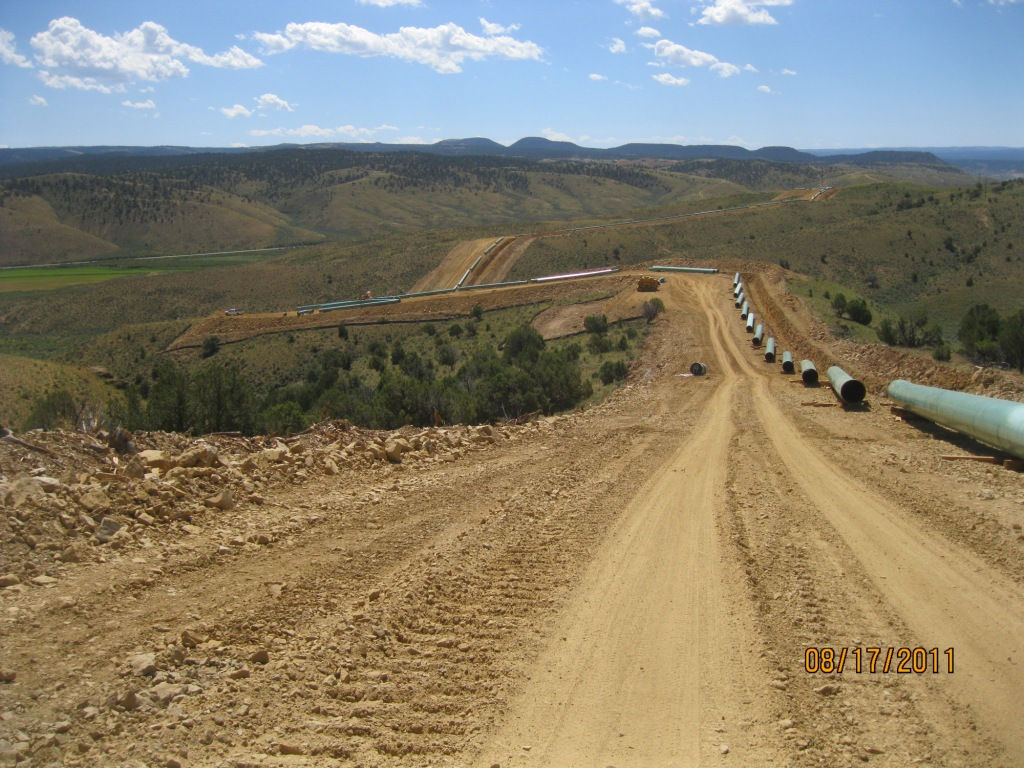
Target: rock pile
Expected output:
[66,497]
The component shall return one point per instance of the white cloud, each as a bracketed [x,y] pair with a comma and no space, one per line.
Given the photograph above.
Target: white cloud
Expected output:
[443,48]
[496,29]
[617,46]
[273,101]
[679,55]
[642,8]
[411,140]
[749,68]
[666,79]
[75,56]
[648,32]
[1003,2]
[236,111]
[38,101]
[389,3]
[596,77]
[740,12]
[7,53]
[554,135]
[788,72]
[765,89]
[147,104]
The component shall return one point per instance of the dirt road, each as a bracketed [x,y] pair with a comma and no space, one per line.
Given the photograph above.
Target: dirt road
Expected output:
[633,585]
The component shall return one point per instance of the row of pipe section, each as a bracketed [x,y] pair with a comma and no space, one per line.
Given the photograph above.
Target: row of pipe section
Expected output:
[808,373]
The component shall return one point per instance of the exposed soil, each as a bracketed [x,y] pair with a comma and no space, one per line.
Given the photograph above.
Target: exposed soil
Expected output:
[636,584]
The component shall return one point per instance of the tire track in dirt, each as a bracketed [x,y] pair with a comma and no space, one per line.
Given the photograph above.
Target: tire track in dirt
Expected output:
[947,596]
[651,664]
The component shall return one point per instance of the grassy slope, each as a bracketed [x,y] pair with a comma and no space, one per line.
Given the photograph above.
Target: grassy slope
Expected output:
[23,379]
[857,240]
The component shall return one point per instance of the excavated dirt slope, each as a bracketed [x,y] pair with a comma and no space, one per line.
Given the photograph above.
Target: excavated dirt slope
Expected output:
[637,584]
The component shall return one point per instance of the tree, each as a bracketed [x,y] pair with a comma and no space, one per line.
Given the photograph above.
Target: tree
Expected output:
[858,311]
[979,332]
[839,304]
[52,410]
[342,332]
[1011,340]
[478,312]
[613,371]
[210,346]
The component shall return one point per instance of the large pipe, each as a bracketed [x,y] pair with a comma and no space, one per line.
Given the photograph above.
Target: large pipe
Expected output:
[698,369]
[769,351]
[808,372]
[745,310]
[787,362]
[740,299]
[737,289]
[997,422]
[570,275]
[845,386]
[758,335]
[697,270]
[736,278]
[750,322]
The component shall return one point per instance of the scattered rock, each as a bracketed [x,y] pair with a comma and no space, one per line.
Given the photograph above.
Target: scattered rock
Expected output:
[156,459]
[143,664]
[221,500]
[107,529]
[43,581]
[164,693]
[290,749]
[9,580]
[260,656]
[829,689]
[7,675]
[94,499]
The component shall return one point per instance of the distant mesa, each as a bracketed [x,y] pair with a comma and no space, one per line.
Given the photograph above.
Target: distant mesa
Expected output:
[540,148]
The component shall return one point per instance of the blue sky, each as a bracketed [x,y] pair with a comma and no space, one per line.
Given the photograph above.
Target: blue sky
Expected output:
[802,73]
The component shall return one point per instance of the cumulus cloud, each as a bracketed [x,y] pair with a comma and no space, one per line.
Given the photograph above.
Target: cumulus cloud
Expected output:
[72,55]
[597,77]
[236,111]
[666,79]
[617,46]
[38,101]
[8,54]
[648,32]
[389,3]
[273,101]
[668,52]
[492,29]
[788,72]
[740,12]
[553,135]
[147,104]
[765,89]
[642,8]
[443,48]
[749,68]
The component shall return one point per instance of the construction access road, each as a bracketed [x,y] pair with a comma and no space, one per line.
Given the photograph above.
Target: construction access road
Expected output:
[636,584]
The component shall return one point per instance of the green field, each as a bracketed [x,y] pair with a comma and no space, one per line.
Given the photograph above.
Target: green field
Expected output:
[34,279]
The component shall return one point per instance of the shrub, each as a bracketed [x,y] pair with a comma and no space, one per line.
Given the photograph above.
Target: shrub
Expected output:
[211,344]
[613,371]
[595,324]
[858,311]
